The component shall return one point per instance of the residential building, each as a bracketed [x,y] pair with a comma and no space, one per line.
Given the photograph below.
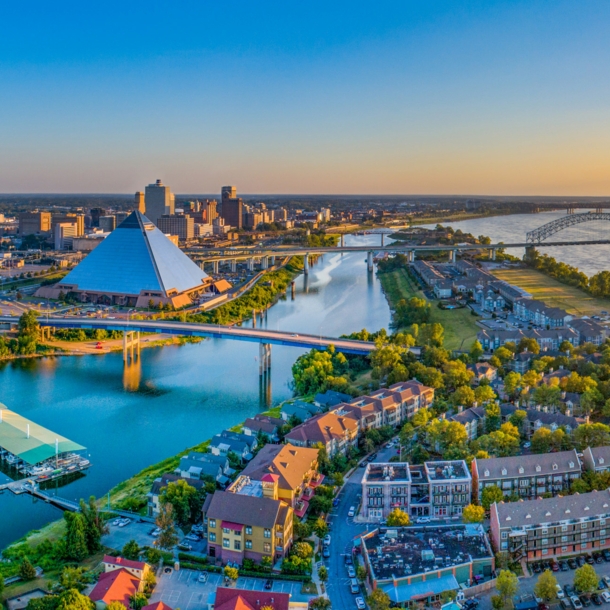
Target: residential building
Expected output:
[521,362]
[384,488]
[248,521]
[139,569]
[419,564]
[34,223]
[116,586]
[64,234]
[231,207]
[330,399]
[413,396]
[336,430]
[245,599]
[443,289]
[588,331]
[596,459]
[527,476]
[160,201]
[296,469]
[450,488]
[233,442]
[539,313]
[159,484]
[197,465]
[548,528]
[428,272]
[77,219]
[484,370]
[473,419]
[301,410]
[539,418]
[264,424]
[549,339]
[181,225]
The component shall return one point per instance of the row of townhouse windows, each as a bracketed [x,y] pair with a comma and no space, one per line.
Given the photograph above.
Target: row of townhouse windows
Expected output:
[226,543]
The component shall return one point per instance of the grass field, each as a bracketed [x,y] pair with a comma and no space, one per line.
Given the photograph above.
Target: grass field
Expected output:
[552,292]
[460,326]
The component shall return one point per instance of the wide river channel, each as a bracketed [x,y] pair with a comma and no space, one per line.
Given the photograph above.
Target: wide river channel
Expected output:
[181,395]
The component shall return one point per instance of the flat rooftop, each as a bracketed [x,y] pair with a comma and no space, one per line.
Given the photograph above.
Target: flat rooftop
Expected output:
[392,471]
[245,486]
[29,441]
[406,551]
[446,471]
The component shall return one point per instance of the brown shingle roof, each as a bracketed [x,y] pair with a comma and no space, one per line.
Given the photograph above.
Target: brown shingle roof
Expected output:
[243,509]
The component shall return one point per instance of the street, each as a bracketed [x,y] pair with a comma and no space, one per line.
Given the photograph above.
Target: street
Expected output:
[343,531]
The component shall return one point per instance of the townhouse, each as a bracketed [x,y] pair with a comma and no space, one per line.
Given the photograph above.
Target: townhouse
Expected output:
[119,582]
[301,410]
[264,424]
[484,370]
[227,442]
[527,476]
[547,339]
[248,521]
[330,398]
[159,484]
[588,331]
[553,527]
[539,313]
[596,459]
[198,465]
[428,272]
[438,490]
[443,289]
[538,418]
[336,431]
[473,419]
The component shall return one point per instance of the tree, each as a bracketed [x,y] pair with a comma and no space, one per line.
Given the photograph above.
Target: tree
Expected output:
[378,600]
[131,550]
[94,525]
[115,606]
[165,522]
[138,601]
[546,587]
[431,334]
[323,573]
[320,603]
[361,573]
[456,374]
[421,418]
[47,602]
[512,383]
[507,585]
[302,550]
[185,501]
[73,578]
[76,539]
[463,396]
[26,570]
[73,600]
[491,494]
[398,518]
[320,527]
[473,514]
[231,573]
[484,394]
[591,435]
[586,579]
[302,530]
[528,344]
[541,440]
[518,419]
[476,351]
[493,417]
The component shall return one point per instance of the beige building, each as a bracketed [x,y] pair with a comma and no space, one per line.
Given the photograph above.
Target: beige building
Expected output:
[34,223]
[140,202]
[159,201]
[181,225]
[77,219]
[64,234]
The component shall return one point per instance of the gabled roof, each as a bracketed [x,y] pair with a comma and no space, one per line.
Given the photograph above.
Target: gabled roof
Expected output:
[126,563]
[528,465]
[136,256]
[241,599]
[157,606]
[115,586]
[246,510]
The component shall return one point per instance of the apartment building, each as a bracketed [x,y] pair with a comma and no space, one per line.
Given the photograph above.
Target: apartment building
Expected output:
[539,313]
[549,339]
[596,459]
[473,419]
[248,521]
[553,527]
[542,417]
[438,490]
[588,331]
[527,476]
[428,272]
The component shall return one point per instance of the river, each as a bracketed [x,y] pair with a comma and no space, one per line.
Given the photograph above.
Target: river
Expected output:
[589,259]
[180,395]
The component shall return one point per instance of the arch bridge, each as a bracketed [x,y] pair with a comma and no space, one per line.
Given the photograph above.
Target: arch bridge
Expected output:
[559,224]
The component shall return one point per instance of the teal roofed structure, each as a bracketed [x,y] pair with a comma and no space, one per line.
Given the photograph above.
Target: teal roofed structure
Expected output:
[135,264]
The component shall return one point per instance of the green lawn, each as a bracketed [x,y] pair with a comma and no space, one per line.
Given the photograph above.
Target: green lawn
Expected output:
[460,326]
[552,292]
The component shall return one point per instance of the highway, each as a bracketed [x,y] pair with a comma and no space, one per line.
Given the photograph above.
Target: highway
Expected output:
[272,337]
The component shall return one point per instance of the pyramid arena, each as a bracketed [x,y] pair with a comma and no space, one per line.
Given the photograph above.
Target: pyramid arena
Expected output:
[134,265]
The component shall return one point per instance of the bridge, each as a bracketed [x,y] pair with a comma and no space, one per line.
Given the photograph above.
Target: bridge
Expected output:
[559,224]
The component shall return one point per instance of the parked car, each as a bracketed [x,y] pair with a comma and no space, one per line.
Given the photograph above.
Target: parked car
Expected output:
[536,568]
[326,552]
[563,565]
[421,520]
[156,532]
[565,604]
[185,546]
[606,581]
[352,511]
[572,563]
[335,502]
[326,540]
[560,593]
[596,599]
[268,584]
[348,560]
[584,600]
[589,559]
[360,603]
[527,445]
[576,603]
[116,521]
[192,537]
[555,566]
[580,560]
[606,554]
[371,457]
[354,587]
[569,589]
[203,577]
[351,572]
[606,596]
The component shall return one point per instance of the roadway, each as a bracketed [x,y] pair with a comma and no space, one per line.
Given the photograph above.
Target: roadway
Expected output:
[273,337]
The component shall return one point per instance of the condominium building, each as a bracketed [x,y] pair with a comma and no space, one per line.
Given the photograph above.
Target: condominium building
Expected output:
[552,527]
[596,459]
[527,476]
[159,201]
[34,223]
[181,225]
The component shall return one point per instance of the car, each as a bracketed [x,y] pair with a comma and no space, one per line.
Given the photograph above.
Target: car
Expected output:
[563,565]
[606,581]
[580,560]
[572,563]
[354,587]
[601,585]
[596,599]
[335,502]
[390,444]
[326,552]
[599,558]
[192,537]
[471,604]
[362,464]
[554,566]
[156,532]
[360,603]
[542,606]
[606,596]
[564,604]
[371,457]
[584,600]
[116,522]
[268,584]
[606,554]
[589,559]
[351,572]
[527,445]
[348,560]
[569,589]
[185,546]
[560,593]
[422,520]
[352,511]
[203,577]
[576,603]
[536,568]
[326,540]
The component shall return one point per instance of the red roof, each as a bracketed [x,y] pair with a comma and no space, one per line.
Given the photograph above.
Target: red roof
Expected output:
[126,563]
[115,586]
[240,599]
[158,606]
[270,478]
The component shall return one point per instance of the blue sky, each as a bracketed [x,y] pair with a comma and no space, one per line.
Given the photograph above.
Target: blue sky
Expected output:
[318,97]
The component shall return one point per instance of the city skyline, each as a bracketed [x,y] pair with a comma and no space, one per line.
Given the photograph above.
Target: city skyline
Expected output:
[480,98]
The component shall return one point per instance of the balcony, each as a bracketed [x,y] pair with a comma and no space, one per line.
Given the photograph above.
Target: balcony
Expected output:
[316,481]
[300,508]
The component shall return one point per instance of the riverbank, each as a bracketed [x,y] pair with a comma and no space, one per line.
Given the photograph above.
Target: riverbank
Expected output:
[459,324]
[553,292]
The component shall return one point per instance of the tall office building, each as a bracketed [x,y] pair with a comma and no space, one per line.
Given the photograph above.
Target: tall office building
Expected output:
[78,219]
[34,223]
[159,200]
[108,223]
[181,225]
[232,207]
[140,202]
[209,209]
[64,233]
[95,216]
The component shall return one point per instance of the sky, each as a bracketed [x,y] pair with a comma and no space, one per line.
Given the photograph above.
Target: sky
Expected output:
[334,97]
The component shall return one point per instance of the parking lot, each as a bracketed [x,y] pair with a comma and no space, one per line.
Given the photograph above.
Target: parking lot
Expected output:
[182,589]
[117,536]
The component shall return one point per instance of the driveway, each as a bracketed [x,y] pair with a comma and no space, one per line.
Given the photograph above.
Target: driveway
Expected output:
[182,589]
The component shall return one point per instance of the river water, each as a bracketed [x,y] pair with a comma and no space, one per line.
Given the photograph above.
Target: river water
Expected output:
[180,395]
[589,259]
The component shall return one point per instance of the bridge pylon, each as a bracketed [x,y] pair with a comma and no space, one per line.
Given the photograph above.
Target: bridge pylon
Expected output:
[131,345]
[264,358]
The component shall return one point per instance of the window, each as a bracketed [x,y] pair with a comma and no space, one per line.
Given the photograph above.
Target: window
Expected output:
[504,535]
[583,545]
[226,530]
[545,551]
[564,549]
[545,541]
[602,522]
[248,544]
[583,526]
[248,530]
[545,530]
[583,536]
[212,522]
[564,539]
[267,533]
[602,532]
[564,528]
[602,543]
[212,536]
[226,543]
[237,545]
[267,547]
[504,545]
